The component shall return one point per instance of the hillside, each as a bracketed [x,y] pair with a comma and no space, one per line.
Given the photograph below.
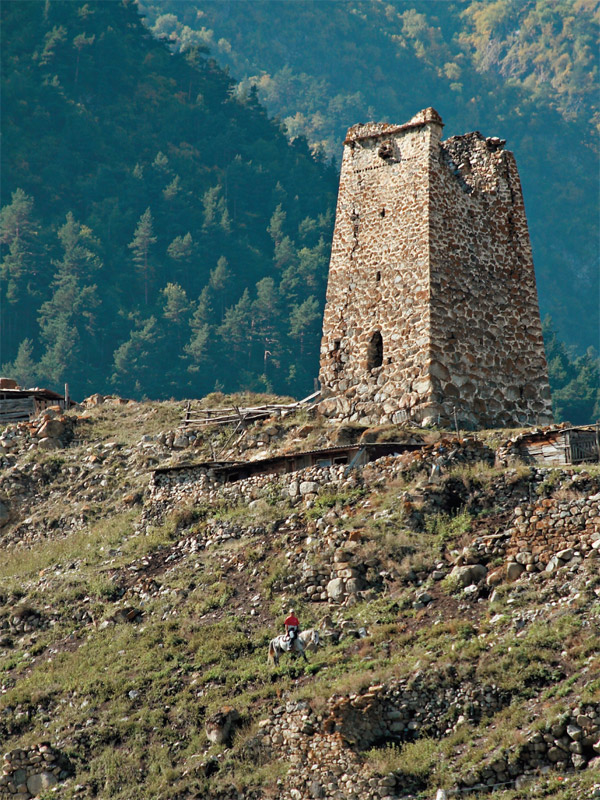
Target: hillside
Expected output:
[527,72]
[457,609]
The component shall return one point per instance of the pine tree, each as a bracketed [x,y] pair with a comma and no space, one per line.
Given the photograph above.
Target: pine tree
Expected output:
[67,320]
[219,280]
[304,319]
[181,252]
[135,362]
[216,214]
[176,310]
[197,349]
[266,314]
[236,332]
[23,369]
[275,228]
[19,270]
[141,244]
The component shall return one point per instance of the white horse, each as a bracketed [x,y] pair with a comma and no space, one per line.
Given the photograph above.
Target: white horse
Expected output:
[310,639]
[285,644]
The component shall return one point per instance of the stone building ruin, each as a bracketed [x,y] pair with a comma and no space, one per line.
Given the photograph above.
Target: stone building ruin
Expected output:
[431,309]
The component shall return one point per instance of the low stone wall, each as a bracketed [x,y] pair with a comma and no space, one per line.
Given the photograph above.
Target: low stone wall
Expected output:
[552,532]
[571,742]
[27,773]
[324,749]
[197,484]
[404,710]
[337,576]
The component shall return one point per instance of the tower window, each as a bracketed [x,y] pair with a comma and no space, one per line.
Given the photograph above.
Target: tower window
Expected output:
[375,351]
[378,276]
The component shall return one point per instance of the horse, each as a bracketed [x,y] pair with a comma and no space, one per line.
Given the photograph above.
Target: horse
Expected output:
[310,639]
[283,644]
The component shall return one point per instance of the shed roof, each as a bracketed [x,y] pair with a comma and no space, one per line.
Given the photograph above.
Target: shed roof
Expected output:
[379,448]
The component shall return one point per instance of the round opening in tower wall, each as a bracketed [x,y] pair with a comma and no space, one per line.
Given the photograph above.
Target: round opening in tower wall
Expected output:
[375,351]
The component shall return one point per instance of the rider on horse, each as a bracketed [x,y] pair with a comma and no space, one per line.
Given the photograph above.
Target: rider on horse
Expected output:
[292,625]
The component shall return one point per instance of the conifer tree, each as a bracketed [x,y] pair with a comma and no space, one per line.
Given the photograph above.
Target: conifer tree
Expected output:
[176,310]
[67,320]
[23,369]
[135,369]
[141,244]
[197,348]
[219,281]
[19,269]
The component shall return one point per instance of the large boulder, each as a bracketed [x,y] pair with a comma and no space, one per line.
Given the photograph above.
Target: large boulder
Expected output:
[469,574]
[335,589]
[38,783]
[50,443]
[309,487]
[52,429]
[221,725]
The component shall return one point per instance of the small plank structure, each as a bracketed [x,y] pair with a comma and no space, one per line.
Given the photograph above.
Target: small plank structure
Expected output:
[560,446]
[17,405]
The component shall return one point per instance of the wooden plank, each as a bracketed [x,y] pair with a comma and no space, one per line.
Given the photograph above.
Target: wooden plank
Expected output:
[17,409]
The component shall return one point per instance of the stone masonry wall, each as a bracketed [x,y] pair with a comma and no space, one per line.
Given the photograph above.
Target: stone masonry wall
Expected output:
[431,300]
[552,532]
[27,773]
[486,338]
[325,749]
[379,273]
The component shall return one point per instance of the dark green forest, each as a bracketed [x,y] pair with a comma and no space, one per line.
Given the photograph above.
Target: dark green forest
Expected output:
[161,236]
[165,229]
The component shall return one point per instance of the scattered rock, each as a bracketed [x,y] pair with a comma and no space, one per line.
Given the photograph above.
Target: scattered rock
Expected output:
[221,725]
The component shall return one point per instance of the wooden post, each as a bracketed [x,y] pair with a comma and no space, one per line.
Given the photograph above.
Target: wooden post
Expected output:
[66,405]
[598,440]
[568,454]
[456,422]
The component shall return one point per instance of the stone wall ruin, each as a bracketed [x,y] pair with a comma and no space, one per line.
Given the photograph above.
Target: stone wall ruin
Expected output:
[431,302]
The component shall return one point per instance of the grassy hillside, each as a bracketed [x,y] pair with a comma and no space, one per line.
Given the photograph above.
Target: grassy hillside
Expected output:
[134,621]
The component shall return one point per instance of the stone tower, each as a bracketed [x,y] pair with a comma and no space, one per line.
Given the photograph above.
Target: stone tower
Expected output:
[431,302]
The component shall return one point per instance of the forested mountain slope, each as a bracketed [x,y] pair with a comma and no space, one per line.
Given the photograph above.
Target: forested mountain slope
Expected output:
[159,235]
[525,71]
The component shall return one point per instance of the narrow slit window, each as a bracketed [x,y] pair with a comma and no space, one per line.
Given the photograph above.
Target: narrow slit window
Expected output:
[375,351]
[378,276]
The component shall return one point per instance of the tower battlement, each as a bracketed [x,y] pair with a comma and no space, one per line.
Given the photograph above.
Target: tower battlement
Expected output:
[431,300]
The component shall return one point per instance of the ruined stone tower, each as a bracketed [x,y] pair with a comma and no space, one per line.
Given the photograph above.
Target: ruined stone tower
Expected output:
[431,302]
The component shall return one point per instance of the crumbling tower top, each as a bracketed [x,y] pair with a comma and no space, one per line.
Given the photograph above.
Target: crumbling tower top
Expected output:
[431,301]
